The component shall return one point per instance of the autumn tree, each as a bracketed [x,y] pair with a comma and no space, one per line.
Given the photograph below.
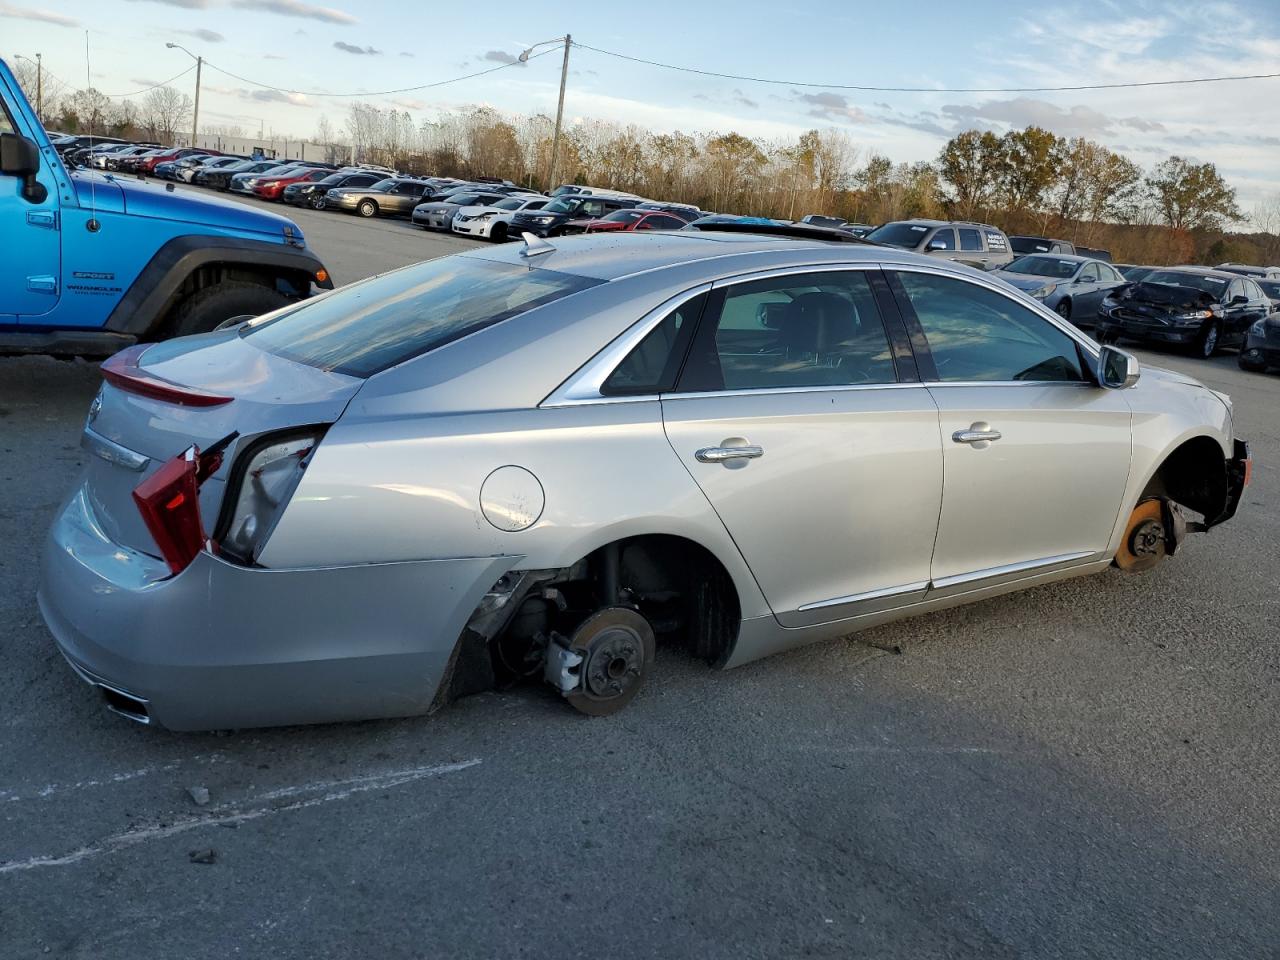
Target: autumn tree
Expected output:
[1191,196]
[1030,165]
[972,166]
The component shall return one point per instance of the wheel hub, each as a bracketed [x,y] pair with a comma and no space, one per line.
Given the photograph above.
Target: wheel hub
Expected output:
[617,647]
[1147,539]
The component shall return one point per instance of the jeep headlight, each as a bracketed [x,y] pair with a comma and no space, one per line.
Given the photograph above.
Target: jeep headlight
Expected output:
[1041,292]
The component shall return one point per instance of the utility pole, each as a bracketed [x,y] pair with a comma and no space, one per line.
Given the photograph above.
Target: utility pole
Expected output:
[555,140]
[195,112]
[567,40]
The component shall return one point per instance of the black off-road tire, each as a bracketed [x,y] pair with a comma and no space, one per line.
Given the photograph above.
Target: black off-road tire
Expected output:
[205,309]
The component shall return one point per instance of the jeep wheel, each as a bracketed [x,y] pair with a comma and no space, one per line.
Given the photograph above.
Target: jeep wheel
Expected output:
[367,208]
[205,309]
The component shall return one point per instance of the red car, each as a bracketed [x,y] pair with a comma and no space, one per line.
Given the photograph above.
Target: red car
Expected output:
[630,219]
[148,165]
[273,188]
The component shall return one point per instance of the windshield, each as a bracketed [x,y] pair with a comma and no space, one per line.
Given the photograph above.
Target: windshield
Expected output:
[624,216]
[371,326]
[1135,273]
[1044,267]
[383,186]
[1200,281]
[464,199]
[563,205]
[509,204]
[905,235]
[1271,288]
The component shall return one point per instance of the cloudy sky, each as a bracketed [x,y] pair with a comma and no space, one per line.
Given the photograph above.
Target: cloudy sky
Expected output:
[343,46]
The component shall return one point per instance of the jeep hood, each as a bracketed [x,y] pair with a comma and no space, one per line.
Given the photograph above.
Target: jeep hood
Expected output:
[139,198]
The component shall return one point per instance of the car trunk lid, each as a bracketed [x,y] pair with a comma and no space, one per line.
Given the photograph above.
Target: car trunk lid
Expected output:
[164,397]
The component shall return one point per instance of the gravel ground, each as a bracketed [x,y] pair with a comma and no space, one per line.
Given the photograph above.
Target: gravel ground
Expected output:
[1086,769]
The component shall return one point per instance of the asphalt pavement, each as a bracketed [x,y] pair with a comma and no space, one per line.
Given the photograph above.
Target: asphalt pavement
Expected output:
[1088,769]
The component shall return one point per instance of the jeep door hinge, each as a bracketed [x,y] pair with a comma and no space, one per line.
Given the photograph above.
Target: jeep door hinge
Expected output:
[43,218]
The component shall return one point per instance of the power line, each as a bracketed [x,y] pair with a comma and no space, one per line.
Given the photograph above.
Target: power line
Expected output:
[164,83]
[372,93]
[875,89]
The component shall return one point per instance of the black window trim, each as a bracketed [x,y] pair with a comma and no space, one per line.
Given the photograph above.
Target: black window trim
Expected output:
[924,357]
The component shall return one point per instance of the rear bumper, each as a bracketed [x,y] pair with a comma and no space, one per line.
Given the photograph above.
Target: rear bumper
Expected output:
[221,646]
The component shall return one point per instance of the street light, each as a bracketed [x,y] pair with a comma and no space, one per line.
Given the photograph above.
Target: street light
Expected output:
[195,112]
[567,40]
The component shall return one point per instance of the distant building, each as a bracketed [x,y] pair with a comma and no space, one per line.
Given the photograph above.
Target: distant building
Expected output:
[272,148]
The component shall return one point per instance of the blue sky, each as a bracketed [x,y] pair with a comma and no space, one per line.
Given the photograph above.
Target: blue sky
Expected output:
[354,45]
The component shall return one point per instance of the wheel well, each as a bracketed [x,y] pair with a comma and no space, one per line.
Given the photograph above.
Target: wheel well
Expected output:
[291,283]
[1194,475]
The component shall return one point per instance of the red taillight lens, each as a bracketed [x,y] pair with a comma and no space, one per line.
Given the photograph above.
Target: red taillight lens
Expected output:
[170,506]
[169,501]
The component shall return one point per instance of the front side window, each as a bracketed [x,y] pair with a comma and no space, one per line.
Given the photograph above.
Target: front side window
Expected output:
[970,239]
[943,240]
[371,326]
[805,330]
[977,334]
[1090,273]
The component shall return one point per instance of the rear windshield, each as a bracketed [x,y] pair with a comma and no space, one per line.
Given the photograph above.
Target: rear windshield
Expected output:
[906,235]
[371,326]
[1044,267]
[1271,288]
[1198,281]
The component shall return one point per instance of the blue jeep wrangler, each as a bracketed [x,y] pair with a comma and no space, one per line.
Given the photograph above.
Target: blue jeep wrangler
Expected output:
[91,263]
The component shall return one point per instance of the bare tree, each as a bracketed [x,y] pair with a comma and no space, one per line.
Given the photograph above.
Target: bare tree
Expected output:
[165,111]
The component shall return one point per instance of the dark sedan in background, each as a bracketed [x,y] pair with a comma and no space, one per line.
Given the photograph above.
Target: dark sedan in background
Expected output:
[313,194]
[1193,307]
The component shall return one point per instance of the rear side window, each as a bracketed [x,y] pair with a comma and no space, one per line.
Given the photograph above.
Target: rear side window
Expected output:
[653,365]
[970,239]
[804,330]
[371,326]
[978,334]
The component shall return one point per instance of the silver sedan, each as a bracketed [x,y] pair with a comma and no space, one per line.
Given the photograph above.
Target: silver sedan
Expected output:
[546,462]
[1071,286]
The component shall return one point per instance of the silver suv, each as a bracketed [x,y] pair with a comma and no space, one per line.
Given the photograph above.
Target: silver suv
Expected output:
[976,244]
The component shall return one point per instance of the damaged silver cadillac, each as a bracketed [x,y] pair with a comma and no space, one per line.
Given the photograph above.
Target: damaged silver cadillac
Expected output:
[539,461]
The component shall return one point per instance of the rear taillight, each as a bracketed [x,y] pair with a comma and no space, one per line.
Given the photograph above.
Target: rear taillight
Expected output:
[259,489]
[169,501]
[125,371]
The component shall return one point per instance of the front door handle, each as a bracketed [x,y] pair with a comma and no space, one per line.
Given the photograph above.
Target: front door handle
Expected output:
[979,435]
[724,454]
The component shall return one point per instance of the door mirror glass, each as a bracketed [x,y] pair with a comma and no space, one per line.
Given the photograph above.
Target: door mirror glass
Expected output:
[1239,299]
[936,244]
[1117,370]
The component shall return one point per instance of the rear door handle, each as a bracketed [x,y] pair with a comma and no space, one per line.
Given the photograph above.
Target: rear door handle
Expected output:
[979,435]
[723,454]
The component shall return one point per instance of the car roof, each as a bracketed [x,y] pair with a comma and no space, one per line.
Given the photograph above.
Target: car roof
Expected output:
[614,255]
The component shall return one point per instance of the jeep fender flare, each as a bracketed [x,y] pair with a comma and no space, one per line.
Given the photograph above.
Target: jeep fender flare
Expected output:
[143,308]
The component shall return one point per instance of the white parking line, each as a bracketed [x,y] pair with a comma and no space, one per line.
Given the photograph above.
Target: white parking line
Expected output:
[329,790]
[49,789]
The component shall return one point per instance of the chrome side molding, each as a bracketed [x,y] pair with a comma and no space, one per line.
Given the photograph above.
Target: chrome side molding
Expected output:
[111,451]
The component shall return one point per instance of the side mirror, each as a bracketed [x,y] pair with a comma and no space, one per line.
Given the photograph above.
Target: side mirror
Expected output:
[1238,299]
[19,157]
[937,245]
[1117,370]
